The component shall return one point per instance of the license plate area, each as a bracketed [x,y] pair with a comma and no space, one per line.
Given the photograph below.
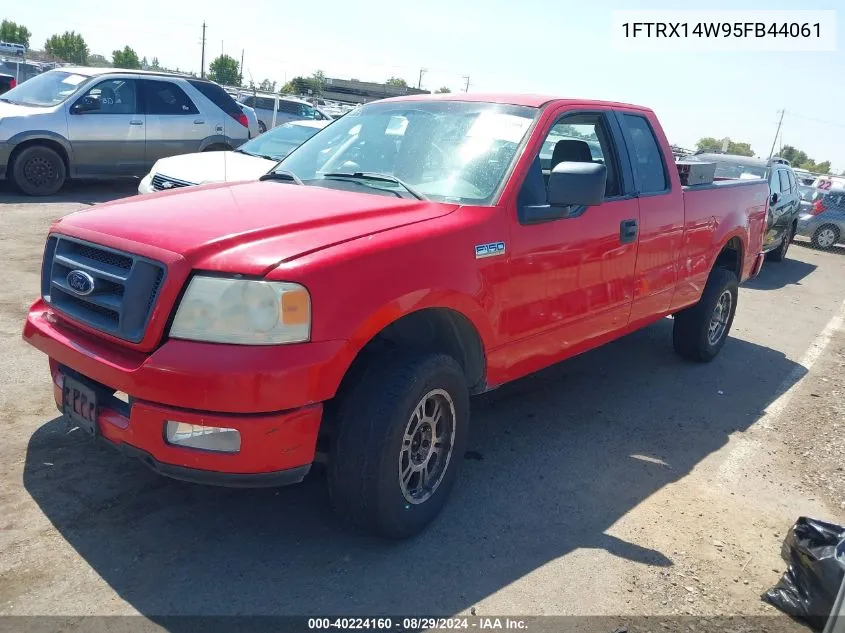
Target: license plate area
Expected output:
[79,404]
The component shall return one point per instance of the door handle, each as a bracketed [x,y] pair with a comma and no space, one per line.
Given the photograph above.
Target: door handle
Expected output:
[198,121]
[628,230]
[136,122]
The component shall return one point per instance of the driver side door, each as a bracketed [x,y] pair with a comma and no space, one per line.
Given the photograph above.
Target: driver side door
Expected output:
[106,129]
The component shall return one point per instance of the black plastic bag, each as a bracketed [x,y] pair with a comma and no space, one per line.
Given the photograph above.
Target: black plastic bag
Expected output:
[809,586]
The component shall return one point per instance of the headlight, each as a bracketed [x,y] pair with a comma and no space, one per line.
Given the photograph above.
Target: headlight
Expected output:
[243,311]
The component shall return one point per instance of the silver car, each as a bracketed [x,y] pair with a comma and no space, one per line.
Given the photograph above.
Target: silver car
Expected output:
[289,109]
[824,222]
[107,123]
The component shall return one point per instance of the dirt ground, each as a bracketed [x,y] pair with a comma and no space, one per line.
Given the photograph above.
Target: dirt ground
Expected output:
[624,482]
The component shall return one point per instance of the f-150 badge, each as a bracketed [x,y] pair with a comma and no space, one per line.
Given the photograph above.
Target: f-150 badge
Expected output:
[489,250]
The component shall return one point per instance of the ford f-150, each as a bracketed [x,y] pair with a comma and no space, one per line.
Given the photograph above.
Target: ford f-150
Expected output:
[344,309]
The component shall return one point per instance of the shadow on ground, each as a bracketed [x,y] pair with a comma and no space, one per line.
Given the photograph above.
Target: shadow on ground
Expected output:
[82,192]
[562,462]
[837,249]
[775,275]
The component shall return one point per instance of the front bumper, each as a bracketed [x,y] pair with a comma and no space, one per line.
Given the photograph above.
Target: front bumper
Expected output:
[271,395]
[146,184]
[807,224]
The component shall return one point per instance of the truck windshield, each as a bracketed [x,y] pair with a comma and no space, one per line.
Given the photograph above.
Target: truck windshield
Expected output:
[47,89]
[449,151]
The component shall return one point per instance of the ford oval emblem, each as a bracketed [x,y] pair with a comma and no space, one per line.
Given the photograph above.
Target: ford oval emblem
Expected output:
[80,282]
[167,185]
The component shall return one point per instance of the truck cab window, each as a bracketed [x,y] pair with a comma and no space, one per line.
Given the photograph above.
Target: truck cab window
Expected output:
[649,170]
[581,138]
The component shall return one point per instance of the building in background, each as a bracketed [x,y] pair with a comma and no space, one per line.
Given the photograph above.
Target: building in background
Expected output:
[354,91]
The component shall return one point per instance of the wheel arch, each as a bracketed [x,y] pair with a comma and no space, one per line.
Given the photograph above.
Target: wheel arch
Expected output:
[731,256]
[57,143]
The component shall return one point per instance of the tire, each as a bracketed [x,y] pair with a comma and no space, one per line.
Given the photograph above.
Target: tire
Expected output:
[692,336]
[370,452]
[38,171]
[779,254]
[826,237]
[261,127]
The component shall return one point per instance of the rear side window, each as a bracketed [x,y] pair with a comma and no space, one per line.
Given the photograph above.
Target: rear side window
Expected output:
[263,103]
[784,181]
[645,152]
[217,96]
[163,97]
[291,107]
[792,185]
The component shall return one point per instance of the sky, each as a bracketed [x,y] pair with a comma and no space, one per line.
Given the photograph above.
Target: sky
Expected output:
[558,47]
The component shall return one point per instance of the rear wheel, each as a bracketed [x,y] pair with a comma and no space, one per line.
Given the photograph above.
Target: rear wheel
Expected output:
[401,434]
[38,171]
[826,236]
[779,254]
[701,330]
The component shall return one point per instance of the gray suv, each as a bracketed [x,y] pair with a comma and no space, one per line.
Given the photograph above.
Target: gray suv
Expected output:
[107,123]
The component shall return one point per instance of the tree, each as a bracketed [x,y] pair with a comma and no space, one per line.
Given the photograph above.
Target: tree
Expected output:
[14,33]
[799,159]
[224,70]
[154,65]
[267,86]
[396,81]
[443,90]
[69,47]
[127,58]
[710,144]
[95,59]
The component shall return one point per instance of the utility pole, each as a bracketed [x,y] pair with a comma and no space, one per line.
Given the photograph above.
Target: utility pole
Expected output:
[202,63]
[241,69]
[422,72]
[466,87]
[772,151]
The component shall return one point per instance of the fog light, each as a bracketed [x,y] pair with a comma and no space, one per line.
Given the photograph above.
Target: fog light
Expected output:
[207,438]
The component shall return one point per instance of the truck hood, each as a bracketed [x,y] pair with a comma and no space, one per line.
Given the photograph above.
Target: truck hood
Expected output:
[247,228]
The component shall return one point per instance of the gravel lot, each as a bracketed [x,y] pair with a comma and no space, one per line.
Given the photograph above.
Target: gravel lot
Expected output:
[625,481]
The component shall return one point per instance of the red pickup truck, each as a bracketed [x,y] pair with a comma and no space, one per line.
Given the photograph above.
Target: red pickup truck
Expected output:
[411,254]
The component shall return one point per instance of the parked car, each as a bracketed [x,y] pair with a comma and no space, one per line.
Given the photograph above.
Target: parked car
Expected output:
[784,198]
[11,48]
[252,120]
[250,161]
[105,123]
[351,301]
[7,82]
[289,109]
[824,222]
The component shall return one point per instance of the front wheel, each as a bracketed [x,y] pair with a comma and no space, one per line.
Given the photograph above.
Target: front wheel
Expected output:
[825,237]
[261,127]
[401,434]
[779,254]
[38,171]
[701,330]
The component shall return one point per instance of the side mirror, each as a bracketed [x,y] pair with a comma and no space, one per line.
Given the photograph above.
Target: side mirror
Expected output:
[577,184]
[774,198]
[572,186]
[86,104]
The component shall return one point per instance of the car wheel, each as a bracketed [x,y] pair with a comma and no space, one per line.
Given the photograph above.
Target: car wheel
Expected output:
[825,237]
[38,171]
[261,127]
[779,254]
[401,435]
[701,330]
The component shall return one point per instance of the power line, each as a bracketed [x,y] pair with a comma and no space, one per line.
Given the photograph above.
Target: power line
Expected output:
[810,118]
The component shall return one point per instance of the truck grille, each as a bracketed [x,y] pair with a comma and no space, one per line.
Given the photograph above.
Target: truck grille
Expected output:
[109,290]
[164,183]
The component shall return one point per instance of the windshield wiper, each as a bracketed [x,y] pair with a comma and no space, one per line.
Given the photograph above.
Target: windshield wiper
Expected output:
[281,174]
[264,156]
[368,175]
